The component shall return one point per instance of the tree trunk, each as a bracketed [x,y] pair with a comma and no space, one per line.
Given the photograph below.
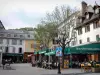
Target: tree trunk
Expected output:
[63,48]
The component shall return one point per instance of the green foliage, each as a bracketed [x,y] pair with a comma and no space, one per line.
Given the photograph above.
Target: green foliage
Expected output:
[45,33]
[26,29]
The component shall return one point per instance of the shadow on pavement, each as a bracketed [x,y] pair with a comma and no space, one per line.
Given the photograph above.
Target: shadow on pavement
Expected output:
[70,74]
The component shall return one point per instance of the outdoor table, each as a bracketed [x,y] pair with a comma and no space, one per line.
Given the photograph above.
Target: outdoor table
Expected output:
[86,67]
[49,65]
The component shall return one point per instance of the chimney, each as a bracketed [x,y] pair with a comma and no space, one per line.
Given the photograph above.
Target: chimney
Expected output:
[84,7]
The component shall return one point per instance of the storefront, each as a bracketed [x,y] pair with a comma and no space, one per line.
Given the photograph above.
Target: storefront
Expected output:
[26,56]
[0,57]
[15,57]
[89,51]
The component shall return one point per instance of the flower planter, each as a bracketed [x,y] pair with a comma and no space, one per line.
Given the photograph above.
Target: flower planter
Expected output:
[95,69]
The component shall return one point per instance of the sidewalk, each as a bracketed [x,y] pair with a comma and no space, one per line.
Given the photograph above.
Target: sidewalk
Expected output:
[71,72]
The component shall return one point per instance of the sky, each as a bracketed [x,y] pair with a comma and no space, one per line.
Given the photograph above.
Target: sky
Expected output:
[28,13]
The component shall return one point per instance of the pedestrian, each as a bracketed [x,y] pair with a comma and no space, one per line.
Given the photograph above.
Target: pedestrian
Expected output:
[9,62]
[3,63]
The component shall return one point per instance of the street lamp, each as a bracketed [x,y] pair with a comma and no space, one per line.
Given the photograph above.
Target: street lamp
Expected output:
[2,48]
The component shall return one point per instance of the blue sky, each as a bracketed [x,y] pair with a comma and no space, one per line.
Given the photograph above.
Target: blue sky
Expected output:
[28,13]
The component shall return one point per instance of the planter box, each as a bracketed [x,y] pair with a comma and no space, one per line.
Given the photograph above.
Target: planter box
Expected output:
[96,69]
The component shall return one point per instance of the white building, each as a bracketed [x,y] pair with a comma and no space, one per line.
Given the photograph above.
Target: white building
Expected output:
[67,28]
[88,30]
[1,28]
[13,43]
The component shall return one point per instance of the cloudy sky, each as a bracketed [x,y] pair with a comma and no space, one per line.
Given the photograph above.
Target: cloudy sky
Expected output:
[28,13]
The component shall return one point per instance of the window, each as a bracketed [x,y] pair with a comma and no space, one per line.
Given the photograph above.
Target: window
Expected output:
[1,35]
[6,49]
[32,46]
[14,42]
[87,28]
[13,49]
[21,36]
[20,42]
[97,37]
[15,35]
[79,31]
[7,41]
[96,11]
[87,16]
[73,43]
[80,41]
[29,36]
[8,35]
[88,39]
[20,50]
[96,24]
[1,41]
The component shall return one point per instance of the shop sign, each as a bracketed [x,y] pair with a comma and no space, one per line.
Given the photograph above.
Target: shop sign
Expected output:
[87,48]
[58,51]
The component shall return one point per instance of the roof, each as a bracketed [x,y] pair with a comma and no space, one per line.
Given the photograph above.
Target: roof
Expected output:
[1,26]
[11,31]
[75,13]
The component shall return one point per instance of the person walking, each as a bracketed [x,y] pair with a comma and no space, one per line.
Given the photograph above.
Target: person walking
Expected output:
[3,63]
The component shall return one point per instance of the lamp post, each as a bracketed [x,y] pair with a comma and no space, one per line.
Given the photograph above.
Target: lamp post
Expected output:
[59,71]
[1,55]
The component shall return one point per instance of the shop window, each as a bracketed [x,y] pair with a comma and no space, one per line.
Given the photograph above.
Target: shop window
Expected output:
[80,41]
[87,28]
[79,31]
[88,39]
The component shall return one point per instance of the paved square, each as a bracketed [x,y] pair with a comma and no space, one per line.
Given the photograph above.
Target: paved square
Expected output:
[26,69]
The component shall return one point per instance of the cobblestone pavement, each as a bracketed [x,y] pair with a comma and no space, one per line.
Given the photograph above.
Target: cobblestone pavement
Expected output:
[26,69]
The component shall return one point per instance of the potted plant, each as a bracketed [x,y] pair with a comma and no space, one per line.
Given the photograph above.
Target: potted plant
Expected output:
[96,68]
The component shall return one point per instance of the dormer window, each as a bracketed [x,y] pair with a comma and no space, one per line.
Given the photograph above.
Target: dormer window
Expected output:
[87,16]
[80,20]
[96,11]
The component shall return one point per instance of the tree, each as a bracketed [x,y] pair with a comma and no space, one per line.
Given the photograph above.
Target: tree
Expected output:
[45,33]
[67,34]
[26,29]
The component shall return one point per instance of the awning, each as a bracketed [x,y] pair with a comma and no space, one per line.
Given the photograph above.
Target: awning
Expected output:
[13,54]
[53,52]
[84,49]
[36,52]
[42,51]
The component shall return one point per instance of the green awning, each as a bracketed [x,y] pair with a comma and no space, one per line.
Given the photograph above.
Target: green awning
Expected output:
[42,51]
[53,52]
[36,52]
[13,54]
[84,49]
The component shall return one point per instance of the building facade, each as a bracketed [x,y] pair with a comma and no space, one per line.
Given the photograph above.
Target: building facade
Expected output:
[67,28]
[13,44]
[1,28]
[88,29]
